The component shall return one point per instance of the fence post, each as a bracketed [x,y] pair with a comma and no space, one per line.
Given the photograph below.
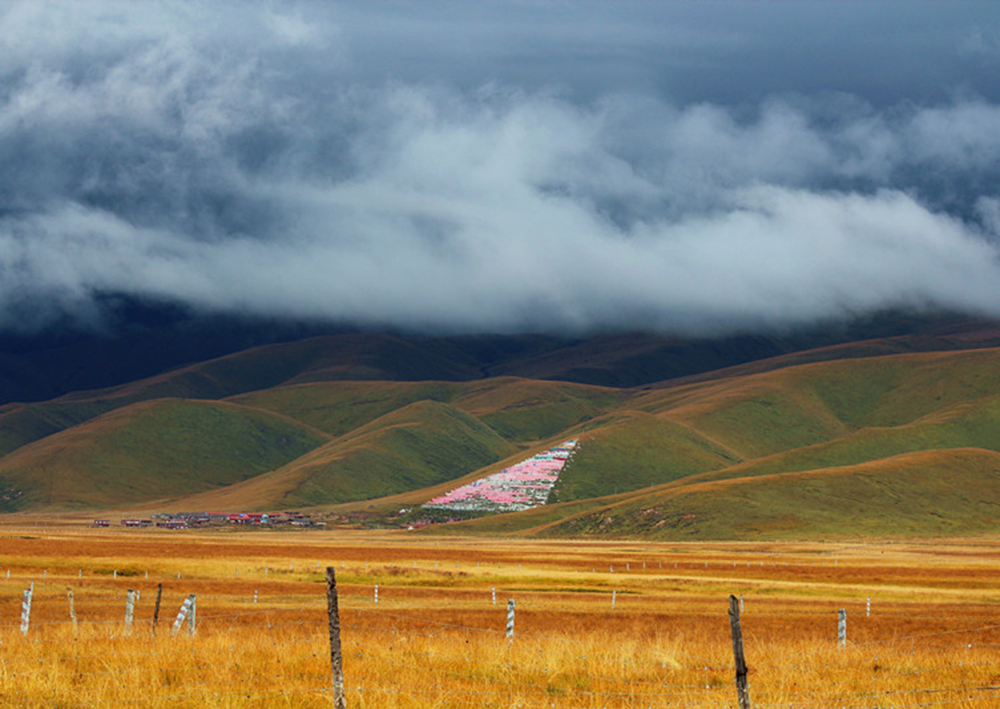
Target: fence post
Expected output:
[614,596]
[72,608]
[193,614]
[336,658]
[26,610]
[376,593]
[129,610]
[181,615]
[156,608]
[868,607]
[494,595]
[510,619]
[842,627]
[742,692]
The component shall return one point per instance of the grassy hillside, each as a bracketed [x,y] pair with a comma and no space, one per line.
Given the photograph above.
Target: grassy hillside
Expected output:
[637,451]
[340,357]
[528,410]
[341,407]
[517,409]
[153,450]
[421,445]
[835,418]
[966,425]
[924,494]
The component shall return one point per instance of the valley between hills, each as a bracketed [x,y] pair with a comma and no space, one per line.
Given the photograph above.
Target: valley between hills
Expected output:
[881,437]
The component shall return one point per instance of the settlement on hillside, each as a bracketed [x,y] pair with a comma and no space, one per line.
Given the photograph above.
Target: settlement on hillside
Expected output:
[519,487]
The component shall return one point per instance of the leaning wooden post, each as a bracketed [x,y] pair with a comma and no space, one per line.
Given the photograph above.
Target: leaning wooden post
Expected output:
[742,692]
[182,614]
[336,658]
[72,608]
[156,608]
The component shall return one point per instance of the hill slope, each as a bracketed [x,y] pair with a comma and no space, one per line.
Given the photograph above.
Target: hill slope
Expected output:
[417,446]
[924,494]
[154,450]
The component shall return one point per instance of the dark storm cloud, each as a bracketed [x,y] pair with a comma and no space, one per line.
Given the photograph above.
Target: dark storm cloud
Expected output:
[493,166]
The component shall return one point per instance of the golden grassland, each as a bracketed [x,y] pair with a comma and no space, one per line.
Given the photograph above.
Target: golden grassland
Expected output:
[598,624]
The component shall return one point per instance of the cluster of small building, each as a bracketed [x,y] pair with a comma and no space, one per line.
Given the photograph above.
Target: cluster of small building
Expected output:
[186,520]
[520,487]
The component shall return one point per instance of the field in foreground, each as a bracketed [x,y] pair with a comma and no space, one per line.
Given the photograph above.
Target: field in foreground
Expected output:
[597,624]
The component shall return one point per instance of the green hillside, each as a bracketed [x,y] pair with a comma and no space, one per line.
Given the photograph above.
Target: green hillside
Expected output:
[967,425]
[917,494]
[341,407]
[831,419]
[637,451]
[417,446]
[160,449]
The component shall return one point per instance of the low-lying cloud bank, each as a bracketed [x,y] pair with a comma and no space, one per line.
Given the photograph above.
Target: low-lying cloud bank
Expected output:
[260,175]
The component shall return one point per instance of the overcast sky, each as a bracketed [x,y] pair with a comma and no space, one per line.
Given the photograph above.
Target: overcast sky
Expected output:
[692,167]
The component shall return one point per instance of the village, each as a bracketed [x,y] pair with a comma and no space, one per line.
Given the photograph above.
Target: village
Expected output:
[188,520]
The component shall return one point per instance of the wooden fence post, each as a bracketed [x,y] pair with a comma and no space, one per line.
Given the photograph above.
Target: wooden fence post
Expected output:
[742,692]
[192,628]
[510,619]
[26,610]
[129,611]
[182,615]
[336,657]
[156,608]
[842,627]
[72,608]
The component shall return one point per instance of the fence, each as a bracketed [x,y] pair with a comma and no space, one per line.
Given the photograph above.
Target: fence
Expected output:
[98,644]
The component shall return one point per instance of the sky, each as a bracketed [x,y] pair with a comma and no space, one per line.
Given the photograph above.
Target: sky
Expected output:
[523,166]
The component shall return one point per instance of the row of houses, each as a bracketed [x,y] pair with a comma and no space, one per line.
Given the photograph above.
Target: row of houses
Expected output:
[186,520]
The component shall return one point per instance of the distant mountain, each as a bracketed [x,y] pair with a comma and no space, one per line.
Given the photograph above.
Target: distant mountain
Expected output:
[41,367]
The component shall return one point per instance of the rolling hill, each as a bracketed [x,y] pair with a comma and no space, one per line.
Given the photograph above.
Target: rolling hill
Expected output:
[155,450]
[907,429]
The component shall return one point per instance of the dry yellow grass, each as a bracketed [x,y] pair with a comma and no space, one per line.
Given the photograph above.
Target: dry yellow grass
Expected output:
[435,638]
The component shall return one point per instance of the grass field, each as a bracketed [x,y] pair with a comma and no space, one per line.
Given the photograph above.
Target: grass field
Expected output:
[598,624]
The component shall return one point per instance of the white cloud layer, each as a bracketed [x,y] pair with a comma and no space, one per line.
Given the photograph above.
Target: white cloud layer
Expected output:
[235,159]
